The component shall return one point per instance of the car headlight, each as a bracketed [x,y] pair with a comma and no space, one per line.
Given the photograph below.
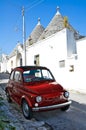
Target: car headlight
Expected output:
[66,94]
[38,99]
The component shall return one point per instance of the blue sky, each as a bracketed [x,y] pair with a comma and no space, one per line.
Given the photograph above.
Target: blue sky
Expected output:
[11,18]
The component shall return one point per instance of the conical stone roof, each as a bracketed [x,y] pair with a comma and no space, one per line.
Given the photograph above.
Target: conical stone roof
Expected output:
[57,24]
[54,26]
[36,33]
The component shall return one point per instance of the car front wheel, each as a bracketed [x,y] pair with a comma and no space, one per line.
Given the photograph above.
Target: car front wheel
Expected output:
[27,112]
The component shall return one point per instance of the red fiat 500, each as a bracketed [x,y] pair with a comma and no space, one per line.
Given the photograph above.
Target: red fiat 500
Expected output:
[34,88]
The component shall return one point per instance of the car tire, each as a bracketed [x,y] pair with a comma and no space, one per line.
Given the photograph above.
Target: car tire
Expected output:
[8,97]
[65,108]
[27,112]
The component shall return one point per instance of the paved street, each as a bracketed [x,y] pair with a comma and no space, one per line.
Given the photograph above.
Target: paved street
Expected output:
[73,119]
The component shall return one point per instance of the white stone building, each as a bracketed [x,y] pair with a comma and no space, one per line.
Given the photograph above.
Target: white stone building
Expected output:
[15,58]
[59,47]
[3,63]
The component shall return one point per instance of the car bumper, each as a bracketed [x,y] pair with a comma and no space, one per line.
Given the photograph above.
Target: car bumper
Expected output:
[52,107]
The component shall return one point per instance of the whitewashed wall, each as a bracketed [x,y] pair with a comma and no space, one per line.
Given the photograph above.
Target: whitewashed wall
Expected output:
[14,59]
[11,60]
[76,80]
[58,47]
[3,64]
[51,50]
[81,65]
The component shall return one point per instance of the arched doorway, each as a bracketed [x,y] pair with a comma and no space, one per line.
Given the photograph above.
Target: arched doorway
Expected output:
[19,59]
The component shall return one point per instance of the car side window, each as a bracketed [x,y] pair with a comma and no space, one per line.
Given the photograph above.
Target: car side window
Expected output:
[17,76]
[46,74]
[12,75]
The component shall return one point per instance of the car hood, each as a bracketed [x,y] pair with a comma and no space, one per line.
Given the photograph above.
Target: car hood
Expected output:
[45,87]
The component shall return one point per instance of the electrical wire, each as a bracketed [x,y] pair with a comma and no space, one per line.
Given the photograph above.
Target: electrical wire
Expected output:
[35,3]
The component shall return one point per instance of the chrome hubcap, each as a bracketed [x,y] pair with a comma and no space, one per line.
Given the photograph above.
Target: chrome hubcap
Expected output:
[25,109]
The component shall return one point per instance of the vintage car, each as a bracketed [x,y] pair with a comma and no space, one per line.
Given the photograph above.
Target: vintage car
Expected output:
[34,88]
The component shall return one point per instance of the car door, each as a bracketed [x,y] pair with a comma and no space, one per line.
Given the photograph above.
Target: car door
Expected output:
[17,86]
[11,84]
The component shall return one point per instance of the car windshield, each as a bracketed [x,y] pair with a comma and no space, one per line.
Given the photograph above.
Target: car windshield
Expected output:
[37,75]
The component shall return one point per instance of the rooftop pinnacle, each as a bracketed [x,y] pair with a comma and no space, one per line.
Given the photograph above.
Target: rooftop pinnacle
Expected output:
[58,13]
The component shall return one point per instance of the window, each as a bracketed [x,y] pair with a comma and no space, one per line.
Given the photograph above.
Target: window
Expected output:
[20,61]
[46,74]
[62,63]
[36,60]
[12,75]
[11,64]
[37,75]
[17,76]
[71,68]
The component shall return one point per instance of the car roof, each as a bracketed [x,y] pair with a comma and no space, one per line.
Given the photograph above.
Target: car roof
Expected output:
[24,68]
